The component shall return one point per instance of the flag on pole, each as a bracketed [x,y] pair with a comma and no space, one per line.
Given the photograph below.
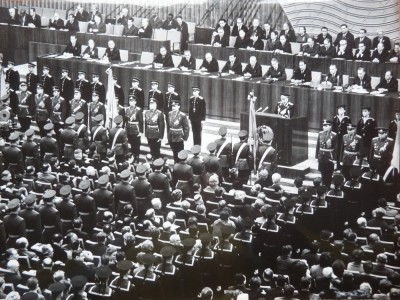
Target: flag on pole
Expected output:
[396,150]
[112,106]
[253,128]
[2,83]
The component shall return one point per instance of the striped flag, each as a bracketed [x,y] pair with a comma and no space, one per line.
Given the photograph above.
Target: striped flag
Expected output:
[111,105]
[253,129]
[2,83]
[396,150]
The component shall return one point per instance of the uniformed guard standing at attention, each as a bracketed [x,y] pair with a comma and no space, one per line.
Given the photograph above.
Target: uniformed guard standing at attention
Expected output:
[47,81]
[118,140]
[42,108]
[198,166]
[119,92]
[78,104]
[82,132]
[86,207]
[67,209]
[26,106]
[136,91]
[178,128]
[31,78]
[12,76]
[103,197]
[49,216]
[32,219]
[99,136]
[30,149]
[284,108]
[170,96]
[49,149]
[98,87]
[66,88]
[380,146]
[224,151]
[211,162]
[159,182]
[197,114]
[350,150]
[243,156]
[266,154]
[339,126]
[13,157]
[143,191]
[68,139]
[156,94]
[58,111]
[393,126]
[95,107]
[124,193]
[366,128]
[83,85]
[154,127]
[182,176]
[326,152]
[5,116]
[14,225]
[134,126]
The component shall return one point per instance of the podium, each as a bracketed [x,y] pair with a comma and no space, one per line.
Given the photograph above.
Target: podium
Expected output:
[290,135]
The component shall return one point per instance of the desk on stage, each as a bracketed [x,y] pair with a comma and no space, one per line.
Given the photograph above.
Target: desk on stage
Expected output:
[290,135]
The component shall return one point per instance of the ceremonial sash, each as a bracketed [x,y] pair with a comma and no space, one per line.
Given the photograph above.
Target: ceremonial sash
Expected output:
[240,151]
[264,156]
[222,148]
[115,138]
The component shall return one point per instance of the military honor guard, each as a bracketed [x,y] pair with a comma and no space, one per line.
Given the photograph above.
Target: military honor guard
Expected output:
[243,157]
[99,136]
[13,157]
[68,137]
[156,94]
[119,92]
[103,197]
[381,146]
[47,81]
[32,219]
[224,151]
[154,128]
[134,126]
[137,91]
[178,131]
[86,207]
[197,114]
[211,162]
[5,115]
[198,165]
[124,193]
[83,85]
[170,96]
[26,106]
[118,140]
[339,126]
[42,108]
[143,191]
[49,150]
[366,128]
[14,224]
[30,149]
[326,152]
[266,154]
[12,76]
[284,108]
[394,125]
[82,132]
[97,86]
[31,78]
[58,111]
[182,176]
[67,209]
[350,149]
[49,216]
[95,108]
[66,87]
[78,104]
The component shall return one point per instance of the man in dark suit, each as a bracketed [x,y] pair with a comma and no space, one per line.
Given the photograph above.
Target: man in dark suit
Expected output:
[73,47]
[36,20]
[188,62]
[56,23]
[302,74]
[238,26]
[379,55]
[362,38]
[221,39]
[183,28]
[381,39]
[283,45]
[323,36]
[334,77]
[345,35]
[197,114]
[327,50]
[146,31]
[222,24]
[112,52]
[255,43]
[388,84]
[344,50]
[164,58]
[210,64]
[13,18]
[253,68]
[122,18]
[97,26]
[311,48]
[94,12]
[170,23]
[72,24]
[394,54]
[24,18]
[81,15]
[276,72]
[130,29]
[362,79]
[233,66]
[362,53]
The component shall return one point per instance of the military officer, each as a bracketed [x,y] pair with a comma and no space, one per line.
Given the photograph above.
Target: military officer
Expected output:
[224,151]
[32,219]
[26,106]
[5,116]
[339,126]
[349,150]
[182,176]
[12,76]
[178,128]
[13,157]
[266,154]
[68,139]
[97,86]
[47,81]
[154,127]
[119,92]
[103,197]
[243,156]
[124,193]
[86,207]
[134,126]
[366,128]
[380,146]
[67,209]
[78,104]
[197,114]
[284,108]
[58,111]
[169,274]
[326,152]
[31,78]
[211,162]
[49,216]
[43,108]
[95,107]
[14,225]
[198,166]
[157,94]
[170,96]
[160,182]
[82,132]
[49,150]
[66,88]
[83,85]
[118,140]
[143,191]
[99,136]
[393,126]
[135,90]
[30,149]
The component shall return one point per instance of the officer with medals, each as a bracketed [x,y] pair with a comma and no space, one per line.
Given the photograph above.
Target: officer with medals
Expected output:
[266,154]
[155,93]
[198,166]
[78,104]
[83,85]
[339,126]
[118,140]
[197,114]
[178,131]
[14,225]
[134,126]
[154,128]
[67,209]
[349,150]
[137,91]
[58,111]
[243,156]
[284,108]
[160,182]
[32,219]
[98,87]
[170,96]
[5,115]
[224,151]
[95,107]
[380,146]
[49,149]
[82,132]
[13,157]
[43,109]
[99,136]
[49,216]
[26,106]
[182,176]
[68,139]
[326,152]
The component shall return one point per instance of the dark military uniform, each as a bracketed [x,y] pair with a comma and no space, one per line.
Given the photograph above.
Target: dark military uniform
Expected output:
[96,108]
[32,80]
[158,95]
[366,128]
[134,127]
[169,98]
[244,159]
[392,130]
[48,82]
[99,138]
[67,211]
[100,89]
[124,193]
[13,157]
[325,153]
[143,190]
[26,109]
[79,106]
[283,109]
[182,176]
[86,90]
[199,167]
[211,162]
[265,156]
[103,198]
[178,131]
[58,113]
[138,93]
[49,149]
[30,151]
[154,127]
[339,126]
[224,153]
[197,114]
[43,111]
[33,224]
[68,137]
[160,182]
[12,76]
[50,218]
[14,225]
[349,152]
[82,140]
[118,140]
[86,208]
[67,90]
[379,149]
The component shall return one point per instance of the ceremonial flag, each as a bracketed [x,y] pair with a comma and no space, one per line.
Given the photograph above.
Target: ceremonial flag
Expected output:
[112,106]
[2,83]
[253,128]
[396,150]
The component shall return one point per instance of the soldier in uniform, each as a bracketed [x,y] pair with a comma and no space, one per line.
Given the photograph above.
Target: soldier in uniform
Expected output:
[224,151]
[266,154]
[198,166]
[366,128]
[66,88]
[49,150]
[349,150]
[393,125]
[119,92]
[182,176]
[82,140]
[32,219]
[380,146]
[159,182]
[134,126]
[86,207]
[169,274]
[49,216]
[243,156]
[58,111]
[99,136]
[42,108]
[30,149]
[156,94]
[143,190]
[67,209]
[47,81]
[78,104]
[136,91]
[178,128]
[26,106]
[154,127]
[211,162]
[95,107]
[32,79]
[284,108]
[5,116]
[170,96]
[97,86]
[12,76]
[326,152]
[101,290]
[68,139]
[339,126]
[118,140]
[103,197]
[197,114]
[83,85]
[124,193]
[13,157]
[14,225]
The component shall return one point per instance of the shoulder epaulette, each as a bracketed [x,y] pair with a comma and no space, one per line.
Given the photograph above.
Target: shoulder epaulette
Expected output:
[28,92]
[322,131]
[334,133]
[84,101]
[45,95]
[68,78]
[375,138]
[175,93]
[85,80]
[358,136]
[158,91]
[18,92]
[183,114]
[390,139]
[118,86]
[290,103]
[200,97]
[139,89]
[49,75]
[100,83]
